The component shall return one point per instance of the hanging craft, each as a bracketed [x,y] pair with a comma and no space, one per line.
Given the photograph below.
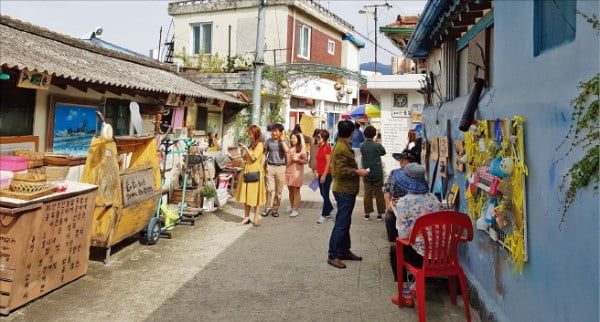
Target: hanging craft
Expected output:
[495,190]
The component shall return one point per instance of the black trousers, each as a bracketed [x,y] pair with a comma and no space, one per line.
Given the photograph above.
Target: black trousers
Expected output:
[410,255]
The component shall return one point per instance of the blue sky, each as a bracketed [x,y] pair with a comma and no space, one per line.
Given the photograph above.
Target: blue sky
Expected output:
[136,24]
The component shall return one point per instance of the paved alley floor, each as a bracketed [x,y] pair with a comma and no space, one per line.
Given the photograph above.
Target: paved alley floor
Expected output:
[219,270]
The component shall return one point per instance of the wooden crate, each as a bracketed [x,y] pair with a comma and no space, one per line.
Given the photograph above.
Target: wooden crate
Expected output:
[45,244]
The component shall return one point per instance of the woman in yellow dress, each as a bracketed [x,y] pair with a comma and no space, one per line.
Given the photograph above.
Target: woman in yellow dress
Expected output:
[252,194]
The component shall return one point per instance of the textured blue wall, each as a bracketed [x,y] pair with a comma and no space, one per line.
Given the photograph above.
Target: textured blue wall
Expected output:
[560,282]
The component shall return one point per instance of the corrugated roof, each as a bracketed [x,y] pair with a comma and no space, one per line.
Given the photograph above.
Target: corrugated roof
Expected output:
[23,45]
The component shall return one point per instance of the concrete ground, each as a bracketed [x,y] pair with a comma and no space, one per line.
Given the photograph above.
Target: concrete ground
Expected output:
[220,270]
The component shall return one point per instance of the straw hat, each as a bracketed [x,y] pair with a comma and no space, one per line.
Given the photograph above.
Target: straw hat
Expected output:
[412,179]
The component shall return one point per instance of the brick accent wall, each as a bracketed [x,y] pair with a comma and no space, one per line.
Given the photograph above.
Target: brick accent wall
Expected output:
[318,46]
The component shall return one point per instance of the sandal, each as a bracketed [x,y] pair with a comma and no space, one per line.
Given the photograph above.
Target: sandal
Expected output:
[407,299]
[246,221]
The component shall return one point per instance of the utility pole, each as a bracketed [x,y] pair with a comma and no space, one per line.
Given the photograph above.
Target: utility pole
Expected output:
[364,11]
[258,62]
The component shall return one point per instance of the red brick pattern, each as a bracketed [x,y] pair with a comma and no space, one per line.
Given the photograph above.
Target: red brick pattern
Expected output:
[318,46]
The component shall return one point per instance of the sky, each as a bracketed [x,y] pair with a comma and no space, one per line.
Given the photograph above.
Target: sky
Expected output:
[136,25]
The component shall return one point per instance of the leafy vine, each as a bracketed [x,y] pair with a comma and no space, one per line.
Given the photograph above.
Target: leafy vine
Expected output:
[583,132]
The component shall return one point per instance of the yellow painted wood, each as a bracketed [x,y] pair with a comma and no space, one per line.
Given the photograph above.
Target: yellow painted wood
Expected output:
[112,221]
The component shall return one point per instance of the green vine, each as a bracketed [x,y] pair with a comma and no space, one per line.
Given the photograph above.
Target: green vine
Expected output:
[583,132]
[242,123]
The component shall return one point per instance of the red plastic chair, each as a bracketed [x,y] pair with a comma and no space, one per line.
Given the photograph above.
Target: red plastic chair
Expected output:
[441,231]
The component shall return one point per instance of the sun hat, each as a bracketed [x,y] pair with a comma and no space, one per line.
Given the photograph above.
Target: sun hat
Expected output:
[403,156]
[412,179]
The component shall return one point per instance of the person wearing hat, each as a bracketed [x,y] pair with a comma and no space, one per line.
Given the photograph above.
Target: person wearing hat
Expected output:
[391,193]
[417,202]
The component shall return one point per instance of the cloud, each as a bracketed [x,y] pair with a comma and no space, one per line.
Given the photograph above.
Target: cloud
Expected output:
[72,114]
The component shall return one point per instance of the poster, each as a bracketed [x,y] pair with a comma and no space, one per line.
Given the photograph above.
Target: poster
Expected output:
[392,138]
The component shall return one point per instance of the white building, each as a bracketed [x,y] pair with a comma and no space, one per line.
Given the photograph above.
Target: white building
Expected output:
[399,101]
[315,47]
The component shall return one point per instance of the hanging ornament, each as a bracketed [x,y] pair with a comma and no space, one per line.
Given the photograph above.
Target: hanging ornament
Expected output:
[349,90]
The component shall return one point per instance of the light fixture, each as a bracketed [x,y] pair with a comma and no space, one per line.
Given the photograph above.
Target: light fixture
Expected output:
[362,11]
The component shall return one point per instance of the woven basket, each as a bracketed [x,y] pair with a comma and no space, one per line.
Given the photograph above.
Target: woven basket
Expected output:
[57,159]
[32,156]
[8,192]
[28,187]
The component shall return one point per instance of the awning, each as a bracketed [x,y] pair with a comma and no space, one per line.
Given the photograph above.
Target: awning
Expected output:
[23,45]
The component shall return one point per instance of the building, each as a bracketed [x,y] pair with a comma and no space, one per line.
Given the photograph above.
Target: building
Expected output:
[308,50]
[519,50]
[53,84]
[399,100]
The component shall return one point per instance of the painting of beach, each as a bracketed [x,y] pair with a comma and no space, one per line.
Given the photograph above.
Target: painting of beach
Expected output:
[74,127]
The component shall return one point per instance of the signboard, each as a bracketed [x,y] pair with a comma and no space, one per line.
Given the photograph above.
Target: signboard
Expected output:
[402,113]
[137,186]
[391,134]
[34,80]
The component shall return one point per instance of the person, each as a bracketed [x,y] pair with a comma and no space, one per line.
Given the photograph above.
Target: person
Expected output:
[391,193]
[275,158]
[213,141]
[323,172]
[378,137]
[294,173]
[417,202]
[314,146]
[358,137]
[414,145]
[252,194]
[371,154]
[346,175]
[298,130]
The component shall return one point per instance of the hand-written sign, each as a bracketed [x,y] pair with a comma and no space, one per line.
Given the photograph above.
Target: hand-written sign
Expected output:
[137,186]
[393,132]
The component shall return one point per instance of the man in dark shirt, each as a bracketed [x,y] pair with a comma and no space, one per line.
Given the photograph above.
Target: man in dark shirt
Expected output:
[371,154]
[346,174]
[275,152]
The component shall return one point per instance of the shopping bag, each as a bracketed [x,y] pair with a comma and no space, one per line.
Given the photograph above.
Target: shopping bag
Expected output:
[314,185]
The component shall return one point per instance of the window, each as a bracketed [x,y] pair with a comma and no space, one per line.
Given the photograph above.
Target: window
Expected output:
[202,119]
[304,42]
[16,109]
[117,114]
[202,38]
[554,23]
[331,47]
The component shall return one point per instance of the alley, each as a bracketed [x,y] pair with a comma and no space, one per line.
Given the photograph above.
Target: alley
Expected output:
[219,270]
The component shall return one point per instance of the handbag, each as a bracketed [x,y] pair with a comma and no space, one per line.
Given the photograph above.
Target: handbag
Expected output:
[251,176]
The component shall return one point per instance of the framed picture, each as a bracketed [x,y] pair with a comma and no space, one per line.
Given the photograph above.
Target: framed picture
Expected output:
[400,100]
[71,125]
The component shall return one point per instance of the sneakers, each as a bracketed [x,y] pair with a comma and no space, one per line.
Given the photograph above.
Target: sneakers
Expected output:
[379,217]
[321,220]
[407,298]
[367,217]
[294,213]
[265,213]
[288,211]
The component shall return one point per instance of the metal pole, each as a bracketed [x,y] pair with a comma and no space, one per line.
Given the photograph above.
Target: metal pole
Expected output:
[159,41]
[258,62]
[229,62]
[375,39]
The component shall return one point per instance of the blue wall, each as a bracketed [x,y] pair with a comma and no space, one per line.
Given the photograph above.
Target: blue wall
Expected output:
[560,281]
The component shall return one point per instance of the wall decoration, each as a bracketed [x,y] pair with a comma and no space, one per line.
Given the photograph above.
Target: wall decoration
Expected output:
[34,79]
[443,147]
[173,100]
[71,125]
[443,166]
[459,156]
[400,100]
[495,157]
[434,149]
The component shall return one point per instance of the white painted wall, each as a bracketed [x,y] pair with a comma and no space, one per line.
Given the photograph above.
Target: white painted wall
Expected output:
[383,87]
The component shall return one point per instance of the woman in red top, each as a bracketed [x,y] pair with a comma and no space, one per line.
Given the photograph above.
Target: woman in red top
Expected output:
[323,172]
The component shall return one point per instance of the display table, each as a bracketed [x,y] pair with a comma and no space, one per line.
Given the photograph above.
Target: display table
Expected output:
[44,243]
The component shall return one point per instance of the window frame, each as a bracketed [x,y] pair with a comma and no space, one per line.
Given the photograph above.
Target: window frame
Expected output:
[299,52]
[201,40]
[330,47]
[569,29]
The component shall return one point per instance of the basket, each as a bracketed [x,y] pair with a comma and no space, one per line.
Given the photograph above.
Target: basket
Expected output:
[8,192]
[30,177]
[57,159]
[28,187]
[53,173]
[32,156]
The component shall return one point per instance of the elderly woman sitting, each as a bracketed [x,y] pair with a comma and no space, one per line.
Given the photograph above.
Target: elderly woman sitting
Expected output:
[418,201]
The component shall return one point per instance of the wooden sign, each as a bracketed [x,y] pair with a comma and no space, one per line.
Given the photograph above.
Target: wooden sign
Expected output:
[173,100]
[459,152]
[434,149]
[443,146]
[43,247]
[34,80]
[137,186]
[443,167]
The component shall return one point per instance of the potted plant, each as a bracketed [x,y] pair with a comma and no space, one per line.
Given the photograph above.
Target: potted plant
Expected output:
[208,193]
